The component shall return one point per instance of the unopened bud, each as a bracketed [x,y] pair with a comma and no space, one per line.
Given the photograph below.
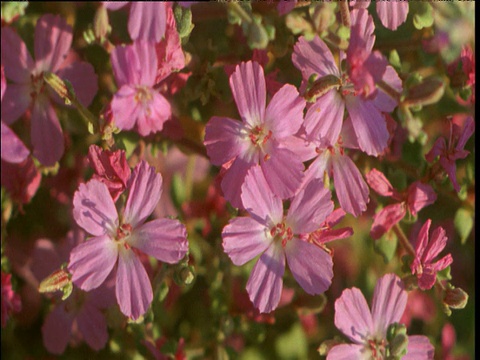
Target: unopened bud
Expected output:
[455,298]
[101,26]
[58,280]
[184,275]
[257,36]
[427,92]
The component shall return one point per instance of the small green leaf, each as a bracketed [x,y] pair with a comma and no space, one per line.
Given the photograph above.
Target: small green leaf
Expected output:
[386,246]
[394,59]
[463,223]
[423,16]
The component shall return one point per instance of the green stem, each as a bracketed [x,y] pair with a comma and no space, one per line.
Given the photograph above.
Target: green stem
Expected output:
[235,7]
[404,240]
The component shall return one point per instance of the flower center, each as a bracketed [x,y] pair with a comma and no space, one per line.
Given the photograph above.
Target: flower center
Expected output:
[123,232]
[377,348]
[38,84]
[144,96]
[259,135]
[281,232]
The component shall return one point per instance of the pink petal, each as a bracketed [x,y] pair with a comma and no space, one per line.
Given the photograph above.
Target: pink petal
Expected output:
[389,301]
[426,279]
[265,284]
[125,65]
[362,30]
[346,351]
[284,114]
[314,57]
[114,5]
[378,182]
[352,191]
[422,242]
[15,102]
[383,101]
[145,189]
[92,261]
[13,150]
[437,149]
[17,62]
[369,125]
[94,210]
[318,167]
[53,38]
[419,196]
[467,131]
[125,108]
[46,133]
[283,172]
[57,329]
[133,287]
[437,243]
[164,239]
[147,21]
[309,208]
[284,7]
[233,180]
[83,79]
[223,139]
[259,200]
[147,61]
[153,115]
[310,265]
[91,323]
[392,14]
[419,347]
[443,262]
[323,121]
[243,239]
[386,218]
[352,315]
[248,88]
[300,146]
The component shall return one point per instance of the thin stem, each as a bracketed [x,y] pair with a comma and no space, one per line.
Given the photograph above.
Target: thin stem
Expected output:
[344,13]
[404,240]
[235,7]
[389,90]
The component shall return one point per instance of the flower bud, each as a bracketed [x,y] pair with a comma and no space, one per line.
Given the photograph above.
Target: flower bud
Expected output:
[101,26]
[58,280]
[427,92]
[455,298]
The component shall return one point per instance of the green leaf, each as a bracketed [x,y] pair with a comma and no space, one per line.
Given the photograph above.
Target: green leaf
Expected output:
[423,16]
[463,223]
[386,246]
[292,344]
[394,59]
[177,191]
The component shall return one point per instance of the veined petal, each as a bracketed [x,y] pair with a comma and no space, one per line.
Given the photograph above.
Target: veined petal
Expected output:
[147,21]
[419,347]
[347,352]
[152,115]
[133,288]
[125,65]
[16,101]
[47,135]
[224,139]
[393,14]
[352,191]
[53,38]
[265,284]
[309,208]
[83,79]
[382,100]
[125,108]
[94,210]
[317,168]
[92,261]
[422,242]
[147,58]
[17,62]
[310,265]
[233,180]
[257,198]
[93,326]
[13,149]
[284,114]
[57,329]
[145,189]
[380,183]
[388,304]
[386,218]
[352,315]
[114,5]
[244,238]
[313,57]
[437,243]
[248,88]
[419,196]
[164,239]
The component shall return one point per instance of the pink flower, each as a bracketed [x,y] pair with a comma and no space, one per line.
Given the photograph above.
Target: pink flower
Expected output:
[392,14]
[261,136]
[111,168]
[416,197]
[21,180]
[117,240]
[53,38]
[425,251]
[326,234]
[459,136]
[10,300]
[147,20]
[273,236]
[368,329]
[137,103]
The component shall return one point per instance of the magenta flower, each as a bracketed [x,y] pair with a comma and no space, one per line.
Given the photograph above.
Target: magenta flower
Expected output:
[459,136]
[261,137]
[117,239]
[147,20]
[53,38]
[273,236]
[369,124]
[425,251]
[11,302]
[415,198]
[137,103]
[368,329]
[111,168]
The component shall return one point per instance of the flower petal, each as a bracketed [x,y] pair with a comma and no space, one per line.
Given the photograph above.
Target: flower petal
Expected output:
[15,102]
[419,196]
[93,326]
[133,287]
[244,238]
[17,62]
[147,21]
[94,210]
[378,182]
[386,218]
[125,65]
[13,149]
[392,14]
[346,352]
[310,265]
[388,304]
[437,243]
[248,88]
[57,329]
[419,347]
[164,239]
[83,79]
[152,115]
[92,261]
[125,108]
[265,284]
[145,189]
[233,180]
[313,57]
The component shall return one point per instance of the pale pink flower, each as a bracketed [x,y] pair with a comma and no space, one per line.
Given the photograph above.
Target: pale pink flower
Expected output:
[417,196]
[459,135]
[117,240]
[275,236]
[111,168]
[10,300]
[137,103]
[393,13]
[262,137]
[426,250]
[147,19]
[53,38]
[368,329]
